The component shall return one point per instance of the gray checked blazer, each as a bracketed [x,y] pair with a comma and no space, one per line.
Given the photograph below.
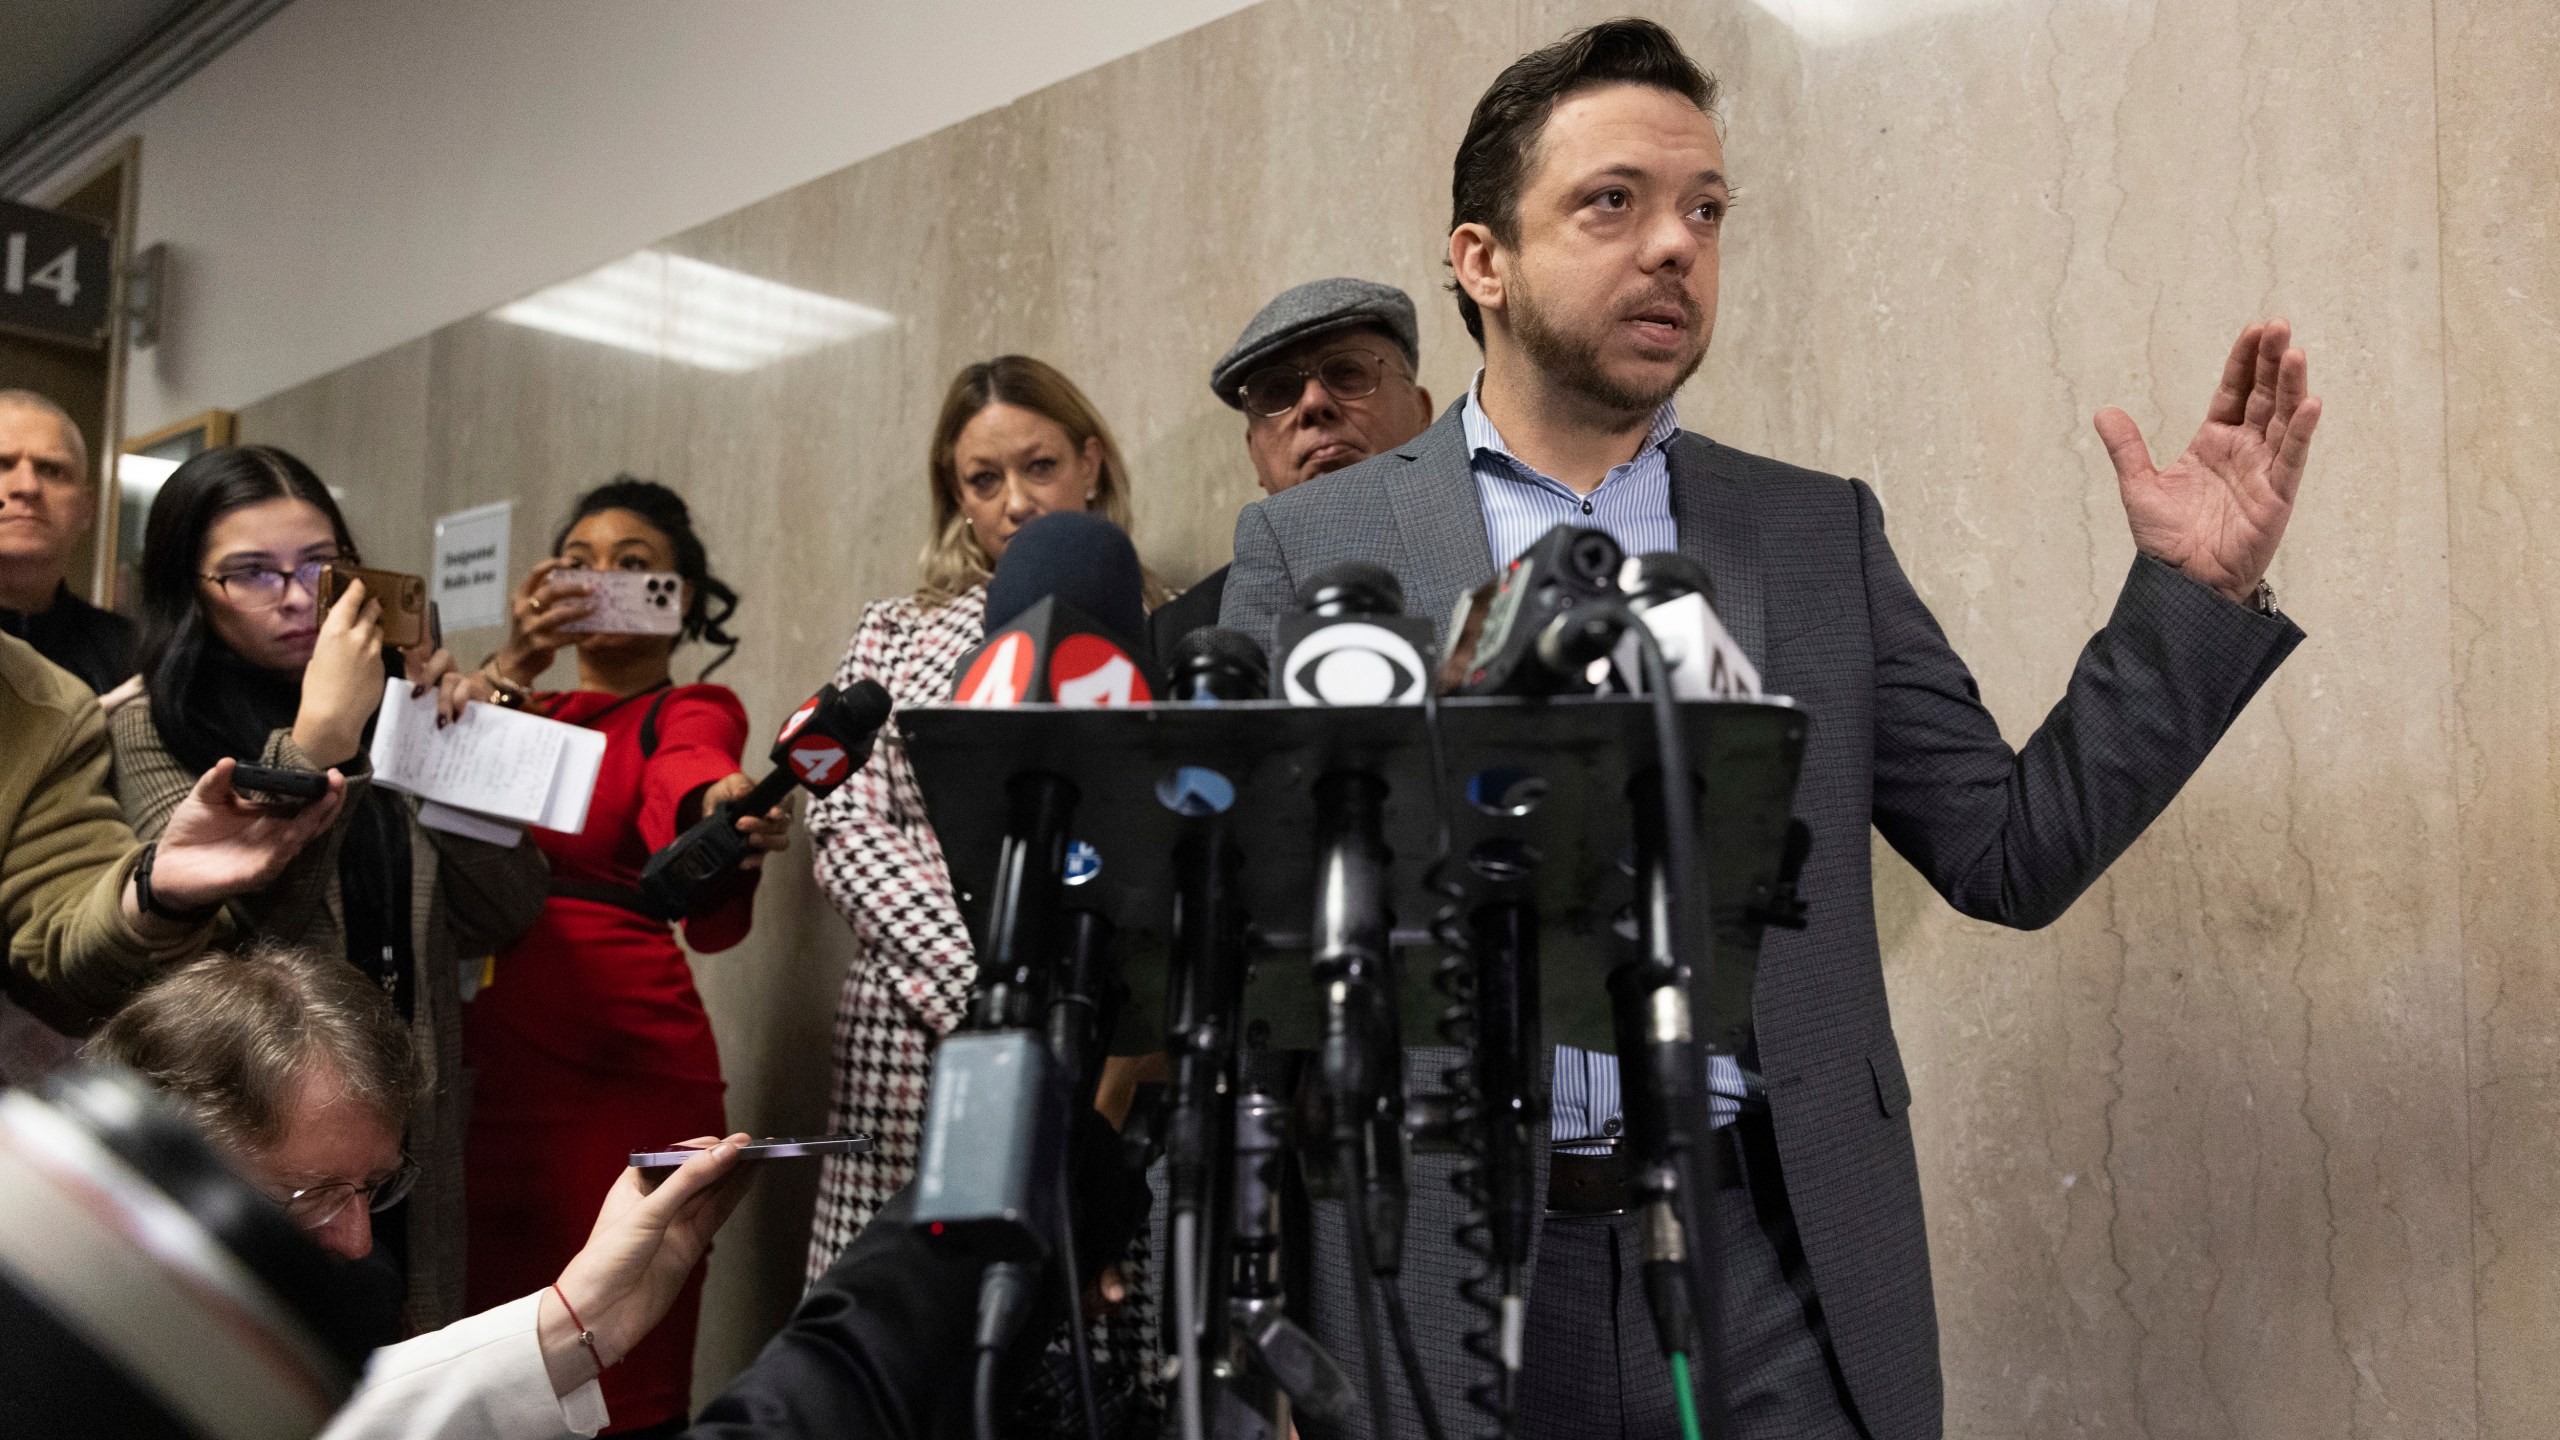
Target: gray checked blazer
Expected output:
[1809,586]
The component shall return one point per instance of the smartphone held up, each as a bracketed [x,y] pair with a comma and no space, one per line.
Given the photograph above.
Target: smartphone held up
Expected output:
[403,599]
[627,602]
[285,791]
[784,1147]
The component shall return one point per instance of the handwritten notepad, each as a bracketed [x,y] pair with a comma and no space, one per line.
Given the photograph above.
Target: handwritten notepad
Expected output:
[504,767]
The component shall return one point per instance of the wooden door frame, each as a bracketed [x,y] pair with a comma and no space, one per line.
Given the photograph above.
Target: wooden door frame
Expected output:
[126,153]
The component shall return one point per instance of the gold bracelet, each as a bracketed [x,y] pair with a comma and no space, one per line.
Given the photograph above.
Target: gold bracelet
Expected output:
[511,696]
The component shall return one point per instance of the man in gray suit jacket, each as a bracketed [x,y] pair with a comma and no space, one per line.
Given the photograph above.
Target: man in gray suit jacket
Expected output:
[1589,197]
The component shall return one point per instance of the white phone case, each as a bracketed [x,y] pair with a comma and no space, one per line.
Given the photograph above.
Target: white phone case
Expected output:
[629,602]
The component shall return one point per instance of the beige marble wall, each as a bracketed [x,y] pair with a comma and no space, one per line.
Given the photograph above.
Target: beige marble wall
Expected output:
[2255,1141]
[2498,106]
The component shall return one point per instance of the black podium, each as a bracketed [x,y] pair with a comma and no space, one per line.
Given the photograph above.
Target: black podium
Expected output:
[1207,839]
[1564,765]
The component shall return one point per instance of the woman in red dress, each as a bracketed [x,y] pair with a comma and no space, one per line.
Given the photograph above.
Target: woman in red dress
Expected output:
[590,1042]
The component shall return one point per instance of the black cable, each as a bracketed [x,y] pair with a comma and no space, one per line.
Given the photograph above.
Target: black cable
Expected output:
[1004,1300]
[1483,1289]
[1410,1356]
[983,1395]
[1078,1341]
[1695,1197]
[1373,1359]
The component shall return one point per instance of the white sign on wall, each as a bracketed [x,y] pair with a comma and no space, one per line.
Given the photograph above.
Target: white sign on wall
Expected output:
[471,565]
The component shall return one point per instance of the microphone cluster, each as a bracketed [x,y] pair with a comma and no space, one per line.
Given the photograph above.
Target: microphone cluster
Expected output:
[1572,615]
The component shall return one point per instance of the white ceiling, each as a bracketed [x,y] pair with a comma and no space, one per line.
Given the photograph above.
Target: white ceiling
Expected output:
[50,48]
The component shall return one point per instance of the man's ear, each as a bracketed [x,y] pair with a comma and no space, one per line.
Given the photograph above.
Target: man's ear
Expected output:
[1471,262]
[1422,397]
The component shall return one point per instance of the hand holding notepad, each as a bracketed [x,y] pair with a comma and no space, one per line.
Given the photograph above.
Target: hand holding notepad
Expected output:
[501,769]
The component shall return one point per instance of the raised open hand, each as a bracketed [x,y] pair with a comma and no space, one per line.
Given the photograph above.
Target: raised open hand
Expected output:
[2218,511]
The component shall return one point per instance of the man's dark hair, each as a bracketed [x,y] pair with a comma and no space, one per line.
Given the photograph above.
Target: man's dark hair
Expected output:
[1502,135]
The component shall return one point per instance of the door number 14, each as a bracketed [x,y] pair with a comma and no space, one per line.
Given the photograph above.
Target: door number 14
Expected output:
[61,274]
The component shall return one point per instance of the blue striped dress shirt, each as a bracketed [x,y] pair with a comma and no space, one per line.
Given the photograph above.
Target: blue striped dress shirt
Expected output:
[1633,504]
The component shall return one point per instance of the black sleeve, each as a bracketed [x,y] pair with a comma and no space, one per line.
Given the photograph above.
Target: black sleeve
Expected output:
[1191,610]
[880,1347]
[2014,837]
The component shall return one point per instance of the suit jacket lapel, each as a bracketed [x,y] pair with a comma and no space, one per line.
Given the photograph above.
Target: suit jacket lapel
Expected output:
[1440,519]
[1717,530]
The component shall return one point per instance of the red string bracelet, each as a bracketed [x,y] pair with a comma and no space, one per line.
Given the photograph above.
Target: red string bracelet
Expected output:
[586,1336]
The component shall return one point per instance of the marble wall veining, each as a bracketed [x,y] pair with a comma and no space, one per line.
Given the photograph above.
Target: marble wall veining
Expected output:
[2497,106]
[2257,1140]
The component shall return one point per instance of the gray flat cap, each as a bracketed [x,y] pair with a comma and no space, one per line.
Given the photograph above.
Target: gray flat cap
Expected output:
[1313,309]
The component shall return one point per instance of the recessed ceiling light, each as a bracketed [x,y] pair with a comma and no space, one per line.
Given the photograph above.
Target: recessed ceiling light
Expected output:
[694,313]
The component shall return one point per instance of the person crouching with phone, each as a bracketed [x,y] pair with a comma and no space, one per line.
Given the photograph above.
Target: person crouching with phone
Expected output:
[240,657]
[299,1073]
[590,1041]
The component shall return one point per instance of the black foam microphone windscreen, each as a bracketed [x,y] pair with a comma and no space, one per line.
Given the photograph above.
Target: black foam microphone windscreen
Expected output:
[1351,587]
[1350,642]
[1211,664]
[1079,557]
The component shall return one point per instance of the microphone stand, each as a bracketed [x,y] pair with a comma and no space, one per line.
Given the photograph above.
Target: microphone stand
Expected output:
[1242,1366]
[1258,1307]
[1668,1109]
[1084,1009]
[1511,1078]
[1360,1066]
[1022,915]
[1004,1079]
[1200,1135]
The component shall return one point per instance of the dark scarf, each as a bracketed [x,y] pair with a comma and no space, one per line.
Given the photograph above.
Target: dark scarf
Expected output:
[227,706]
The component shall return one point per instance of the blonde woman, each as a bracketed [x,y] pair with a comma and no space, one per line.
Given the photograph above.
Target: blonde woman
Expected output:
[1016,440]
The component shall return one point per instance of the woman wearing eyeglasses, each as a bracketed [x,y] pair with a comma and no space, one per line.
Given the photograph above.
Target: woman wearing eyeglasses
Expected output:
[239,660]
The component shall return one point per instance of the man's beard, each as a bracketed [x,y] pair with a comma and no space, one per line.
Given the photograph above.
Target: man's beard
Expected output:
[1573,361]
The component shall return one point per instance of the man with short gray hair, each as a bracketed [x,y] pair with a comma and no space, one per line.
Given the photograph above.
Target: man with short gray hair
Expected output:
[293,1063]
[298,1069]
[1325,376]
[47,505]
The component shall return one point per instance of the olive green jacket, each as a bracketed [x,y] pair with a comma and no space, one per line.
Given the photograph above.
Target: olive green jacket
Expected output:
[65,853]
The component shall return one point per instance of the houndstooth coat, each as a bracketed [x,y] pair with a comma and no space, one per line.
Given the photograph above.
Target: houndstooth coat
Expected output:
[877,860]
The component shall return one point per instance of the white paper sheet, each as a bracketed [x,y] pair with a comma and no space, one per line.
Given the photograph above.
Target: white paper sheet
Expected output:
[493,762]
[468,825]
[574,785]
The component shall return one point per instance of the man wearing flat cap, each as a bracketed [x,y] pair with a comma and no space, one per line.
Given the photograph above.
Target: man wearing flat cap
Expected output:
[1325,378]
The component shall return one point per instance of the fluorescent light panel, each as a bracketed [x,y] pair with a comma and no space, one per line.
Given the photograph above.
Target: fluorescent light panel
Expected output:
[1824,23]
[141,476]
[693,312]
